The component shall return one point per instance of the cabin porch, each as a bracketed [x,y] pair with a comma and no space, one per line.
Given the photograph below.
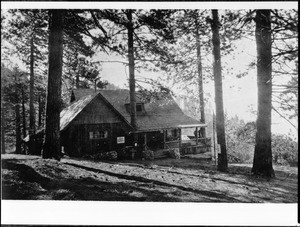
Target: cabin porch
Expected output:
[188,139]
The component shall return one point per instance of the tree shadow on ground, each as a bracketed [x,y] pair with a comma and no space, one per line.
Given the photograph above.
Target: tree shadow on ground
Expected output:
[29,184]
[284,183]
[21,181]
[214,196]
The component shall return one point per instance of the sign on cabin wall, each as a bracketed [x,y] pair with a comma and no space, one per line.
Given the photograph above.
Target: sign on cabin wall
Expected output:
[121,139]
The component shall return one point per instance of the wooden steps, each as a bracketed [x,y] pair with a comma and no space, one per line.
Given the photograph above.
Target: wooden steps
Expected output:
[161,153]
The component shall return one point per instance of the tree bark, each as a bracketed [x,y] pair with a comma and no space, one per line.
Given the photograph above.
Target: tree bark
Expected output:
[220,125]
[200,78]
[40,111]
[3,151]
[31,99]
[51,147]
[23,113]
[262,163]
[24,124]
[131,70]
[77,80]
[18,130]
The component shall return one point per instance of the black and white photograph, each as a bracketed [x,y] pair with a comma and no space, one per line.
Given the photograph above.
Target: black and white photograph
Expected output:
[149,113]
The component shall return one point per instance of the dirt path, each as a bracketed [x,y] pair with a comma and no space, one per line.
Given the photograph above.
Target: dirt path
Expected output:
[165,180]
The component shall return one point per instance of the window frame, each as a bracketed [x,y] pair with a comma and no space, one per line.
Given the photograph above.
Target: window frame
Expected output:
[98,134]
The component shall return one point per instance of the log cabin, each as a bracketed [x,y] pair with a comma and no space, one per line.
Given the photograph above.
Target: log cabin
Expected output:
[99,121]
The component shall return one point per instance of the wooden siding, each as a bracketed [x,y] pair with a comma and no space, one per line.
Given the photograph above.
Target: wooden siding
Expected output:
[97,112]
[77,142]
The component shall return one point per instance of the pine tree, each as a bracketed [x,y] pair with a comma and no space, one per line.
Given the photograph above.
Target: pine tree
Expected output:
[13,82]
[51,146]
[220,125]
[262,163]
[27,32]
[200,76]
[140,45]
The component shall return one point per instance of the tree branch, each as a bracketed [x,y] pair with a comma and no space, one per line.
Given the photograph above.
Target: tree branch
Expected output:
[98,24]
[284,118]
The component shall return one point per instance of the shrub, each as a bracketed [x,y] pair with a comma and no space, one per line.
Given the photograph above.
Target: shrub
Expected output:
[284,150]
[174,153]
[124,154]
[242,152]
[148,154]
[232,158]
[111,155]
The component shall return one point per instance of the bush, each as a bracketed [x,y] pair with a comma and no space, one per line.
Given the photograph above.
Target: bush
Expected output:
[111,155]
[232,158]
[284,150]
[125,153]
[174,153]
[148,155]
[242,152]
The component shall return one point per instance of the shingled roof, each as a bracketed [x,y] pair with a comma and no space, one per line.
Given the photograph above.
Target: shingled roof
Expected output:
[69,113]
[159,114]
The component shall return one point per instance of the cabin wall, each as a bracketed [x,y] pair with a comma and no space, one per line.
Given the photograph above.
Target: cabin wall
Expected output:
[85,135]
[78,141]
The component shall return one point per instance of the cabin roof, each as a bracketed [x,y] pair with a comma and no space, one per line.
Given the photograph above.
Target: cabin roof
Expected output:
[159,113]
[68,114]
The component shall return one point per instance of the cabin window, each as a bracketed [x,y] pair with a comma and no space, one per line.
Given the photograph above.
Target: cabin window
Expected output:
[98,135]
[172,134]
[139,108]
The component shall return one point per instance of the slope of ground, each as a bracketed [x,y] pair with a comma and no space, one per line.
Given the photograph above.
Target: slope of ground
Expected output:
[166,180]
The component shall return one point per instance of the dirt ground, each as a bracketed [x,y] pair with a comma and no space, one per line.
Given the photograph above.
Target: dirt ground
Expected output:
[190,179]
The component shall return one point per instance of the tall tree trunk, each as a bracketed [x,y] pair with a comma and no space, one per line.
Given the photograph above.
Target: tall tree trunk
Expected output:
[23,113]
[3,151]
[77,81]
[220,125]
[262,163]
[51,147]
[131,70]
[40,111]
[31,99]
[24,124]
[18,130]
[200,78]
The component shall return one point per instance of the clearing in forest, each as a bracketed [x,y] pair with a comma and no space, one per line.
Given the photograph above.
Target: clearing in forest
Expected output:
[164,180]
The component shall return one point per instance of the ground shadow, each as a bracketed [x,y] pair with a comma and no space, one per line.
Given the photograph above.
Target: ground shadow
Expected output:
[213,195]
[29,184]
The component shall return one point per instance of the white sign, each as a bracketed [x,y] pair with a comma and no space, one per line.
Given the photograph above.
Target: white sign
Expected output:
[121,139]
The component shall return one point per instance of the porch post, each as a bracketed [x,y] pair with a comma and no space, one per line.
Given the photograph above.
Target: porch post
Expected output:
[164,132]
[196,135]
[145,140]
[179,139]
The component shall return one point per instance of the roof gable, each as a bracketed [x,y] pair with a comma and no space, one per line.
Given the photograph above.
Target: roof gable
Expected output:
[68,114]
[159,113]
